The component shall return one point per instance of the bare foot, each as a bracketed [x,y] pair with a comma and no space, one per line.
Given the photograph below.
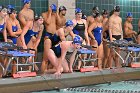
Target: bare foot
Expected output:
[57,74]
[71,70]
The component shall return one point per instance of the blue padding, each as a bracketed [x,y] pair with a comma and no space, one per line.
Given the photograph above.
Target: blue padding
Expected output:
[85,51]
[19,54]
[134,49]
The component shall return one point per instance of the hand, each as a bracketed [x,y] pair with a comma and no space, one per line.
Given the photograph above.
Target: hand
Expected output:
[94,43]
[33,38]
[49,9]
[57,74]
[135,33]
[24,47]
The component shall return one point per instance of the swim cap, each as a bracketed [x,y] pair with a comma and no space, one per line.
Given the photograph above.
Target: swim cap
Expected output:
[11,7]
[96,14]
[37,17]
[3,8]
[69,23]
[78,10]
[129,14]
[61,8]
[26,1]
[104,11]
[116,8]
[77,40]
[11,10]
[95,9]
[54,8]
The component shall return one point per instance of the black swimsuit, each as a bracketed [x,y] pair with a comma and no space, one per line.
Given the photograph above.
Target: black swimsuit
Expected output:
[57,50]
[79,29]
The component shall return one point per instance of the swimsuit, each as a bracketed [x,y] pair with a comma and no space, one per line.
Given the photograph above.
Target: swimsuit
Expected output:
[97,32]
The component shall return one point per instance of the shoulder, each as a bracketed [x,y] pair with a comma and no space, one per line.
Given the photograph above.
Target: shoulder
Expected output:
[31,10]
[74,21]
[120,18]
[89,17]
[17,21]
[84,20]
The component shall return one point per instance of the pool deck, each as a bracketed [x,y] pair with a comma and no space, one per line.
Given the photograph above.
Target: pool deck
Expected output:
[75,79]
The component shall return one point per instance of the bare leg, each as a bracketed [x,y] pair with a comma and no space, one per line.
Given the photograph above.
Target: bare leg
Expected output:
[106,55]
[110,58]
[100,56]
[138,39]
[117,63]
[65,66]
[47,46]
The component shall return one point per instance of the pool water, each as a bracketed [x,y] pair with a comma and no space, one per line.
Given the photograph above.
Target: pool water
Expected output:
[110,87]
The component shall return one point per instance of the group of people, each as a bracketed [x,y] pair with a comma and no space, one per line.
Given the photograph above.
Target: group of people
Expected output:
[94,31]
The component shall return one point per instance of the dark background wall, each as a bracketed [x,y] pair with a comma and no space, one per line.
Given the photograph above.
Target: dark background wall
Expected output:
[125,5]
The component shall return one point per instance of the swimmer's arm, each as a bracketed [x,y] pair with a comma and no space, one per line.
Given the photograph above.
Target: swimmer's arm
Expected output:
[139,25]
[91,27]
[61,34]
[110,29]
[25,29]
[48,17]
[58,19]
[19,28]
[72,34]
[9,29]
[121,29]
[39,37]
[22,19]
[88,21]
[86,33]
[5,33]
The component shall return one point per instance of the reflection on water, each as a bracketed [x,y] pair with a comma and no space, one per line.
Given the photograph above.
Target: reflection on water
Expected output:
[110,87]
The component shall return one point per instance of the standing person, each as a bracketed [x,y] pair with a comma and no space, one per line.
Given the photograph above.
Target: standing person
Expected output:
[3,33]
[129,33]
[90,19]
[105,37]
[13,26]
[115,33]
[95,32]
[26,14]
[56,54]
[52,37]
[31,35]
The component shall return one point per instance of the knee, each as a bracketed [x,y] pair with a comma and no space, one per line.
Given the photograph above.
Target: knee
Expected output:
[66,70]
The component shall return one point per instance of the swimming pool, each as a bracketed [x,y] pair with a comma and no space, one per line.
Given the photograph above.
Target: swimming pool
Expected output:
[131,86]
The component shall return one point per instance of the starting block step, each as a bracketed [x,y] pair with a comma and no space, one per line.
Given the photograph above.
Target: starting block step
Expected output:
[135,64]
[88,69]
[24,74]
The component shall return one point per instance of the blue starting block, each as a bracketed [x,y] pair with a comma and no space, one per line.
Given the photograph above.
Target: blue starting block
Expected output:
[84,60]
